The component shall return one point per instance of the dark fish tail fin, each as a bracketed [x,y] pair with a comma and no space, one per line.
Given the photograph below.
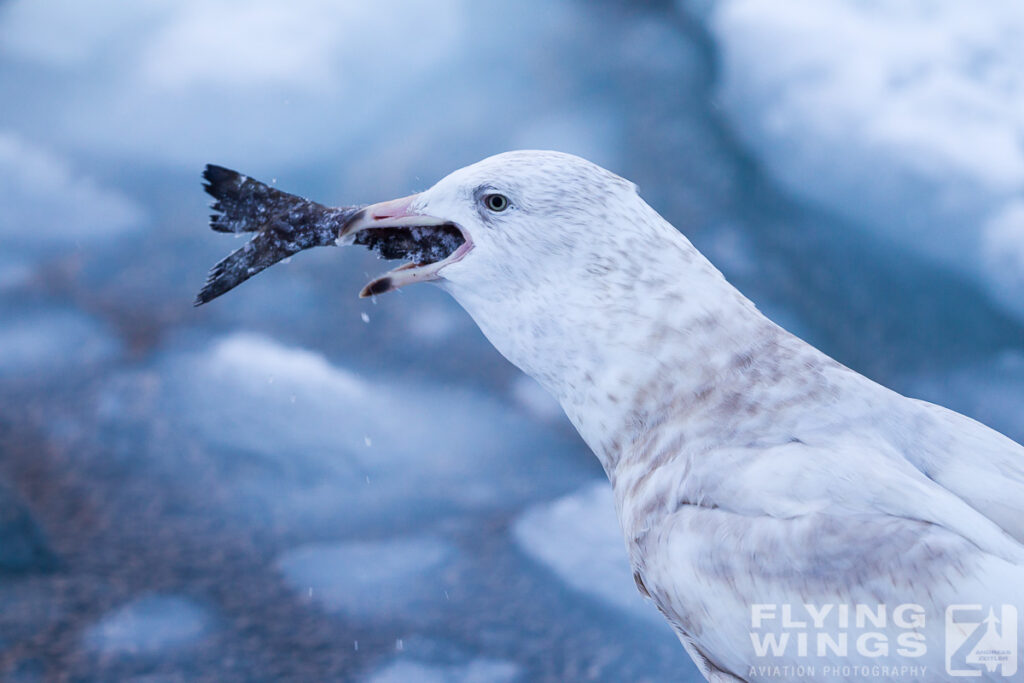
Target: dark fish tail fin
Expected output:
[285,224]
[244,204]
[262,251]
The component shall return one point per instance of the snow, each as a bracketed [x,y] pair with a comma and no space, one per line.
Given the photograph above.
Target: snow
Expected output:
[150,625]
[916,138]
[578,538]
[370,579]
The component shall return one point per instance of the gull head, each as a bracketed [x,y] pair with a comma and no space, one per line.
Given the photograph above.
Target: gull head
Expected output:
[566,271]
[514,221]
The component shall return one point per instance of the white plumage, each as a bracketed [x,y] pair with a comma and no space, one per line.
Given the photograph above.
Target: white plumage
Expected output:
[748,467]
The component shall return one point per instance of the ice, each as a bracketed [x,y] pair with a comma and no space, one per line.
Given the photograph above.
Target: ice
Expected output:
[211,452]
[312,55]
[371,579]
[64,33]
[297,47]
[579,539]
[904,117]
[46,343]
[150,625]
[50,205]
[477,671]
[298,427]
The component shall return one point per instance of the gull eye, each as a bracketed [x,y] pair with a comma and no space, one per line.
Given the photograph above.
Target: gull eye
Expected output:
[496,202]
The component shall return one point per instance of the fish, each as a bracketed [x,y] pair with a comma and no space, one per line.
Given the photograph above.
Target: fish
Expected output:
[284,224]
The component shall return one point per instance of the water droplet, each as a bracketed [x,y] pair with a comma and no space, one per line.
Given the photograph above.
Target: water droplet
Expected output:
[365,317]
[367,441]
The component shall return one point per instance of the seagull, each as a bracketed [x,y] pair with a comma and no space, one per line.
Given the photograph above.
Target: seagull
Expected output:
[790,518]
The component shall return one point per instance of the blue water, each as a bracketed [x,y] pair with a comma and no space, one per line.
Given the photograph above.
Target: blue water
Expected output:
[292,483]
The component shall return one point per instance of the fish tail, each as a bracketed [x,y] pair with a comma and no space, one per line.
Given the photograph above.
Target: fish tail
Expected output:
[242,203]
[284,224]
[259,253]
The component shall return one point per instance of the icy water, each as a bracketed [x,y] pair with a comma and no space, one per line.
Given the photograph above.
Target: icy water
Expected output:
[291,483]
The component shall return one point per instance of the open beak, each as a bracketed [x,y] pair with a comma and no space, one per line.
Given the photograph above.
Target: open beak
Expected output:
[396,231]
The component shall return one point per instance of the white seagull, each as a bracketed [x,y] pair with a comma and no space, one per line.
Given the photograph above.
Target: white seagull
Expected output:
[790,518]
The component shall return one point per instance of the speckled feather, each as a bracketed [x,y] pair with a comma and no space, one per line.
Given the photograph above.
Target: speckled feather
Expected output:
[748,467]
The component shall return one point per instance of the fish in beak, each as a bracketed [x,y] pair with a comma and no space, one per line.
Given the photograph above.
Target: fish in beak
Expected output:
[396,230]
[284,224]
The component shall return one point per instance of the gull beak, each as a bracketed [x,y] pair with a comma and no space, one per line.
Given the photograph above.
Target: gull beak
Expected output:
[392,214]
[394,227]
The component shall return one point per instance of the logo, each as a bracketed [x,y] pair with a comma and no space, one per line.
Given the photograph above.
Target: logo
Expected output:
[980,639]
[838,641]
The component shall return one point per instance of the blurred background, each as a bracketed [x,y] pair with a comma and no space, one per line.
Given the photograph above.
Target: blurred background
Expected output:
[294,484]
